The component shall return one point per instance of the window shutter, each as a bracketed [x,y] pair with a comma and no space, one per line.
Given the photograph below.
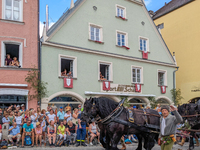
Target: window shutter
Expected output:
[107,72]
[71,67]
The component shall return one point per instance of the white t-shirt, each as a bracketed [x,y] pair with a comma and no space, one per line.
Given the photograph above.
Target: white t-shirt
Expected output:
[18,120]
[51,117]
[69,118]
[163,125]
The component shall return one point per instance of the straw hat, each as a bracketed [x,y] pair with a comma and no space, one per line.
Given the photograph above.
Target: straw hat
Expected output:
[67,108]
[38,123]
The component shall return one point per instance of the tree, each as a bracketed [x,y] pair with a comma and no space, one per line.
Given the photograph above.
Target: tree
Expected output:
[176,95]
[38,87]
[153,102]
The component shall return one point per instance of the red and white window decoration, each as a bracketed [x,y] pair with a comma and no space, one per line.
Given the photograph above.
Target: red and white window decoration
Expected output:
[106,86]
[163,89]
[95,33]
[68,83]
[138,87]
[121,12]
[144,55]
[122,39]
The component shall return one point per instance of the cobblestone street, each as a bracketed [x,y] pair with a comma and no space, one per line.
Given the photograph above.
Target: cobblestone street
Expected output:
[129,147]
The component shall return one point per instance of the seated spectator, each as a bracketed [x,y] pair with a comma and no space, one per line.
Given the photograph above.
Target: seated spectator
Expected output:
[64,73]
[5,119]
[14,133]
[19,120]
[62,133]
[71,129]
[23,110]
[68,115]
[51,117]
[69,74]
[43,124]
[8,60]
[34,117]
[93,132]
[43,114]
[39,109]
[11,117]
[65,123]
[28,130]
[38,133]
[75,116]
[0,132]
[60,114]
[79,108]
[17,108]
[26,116]
[51,132]
[15,62]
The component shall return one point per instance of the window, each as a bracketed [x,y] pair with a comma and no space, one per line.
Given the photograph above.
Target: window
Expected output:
[11,51]
[122,39]
[144,44]
[95,33]
[67,66]
[105,71]
[137,74]
[162,78]
[121,11]
[13,10]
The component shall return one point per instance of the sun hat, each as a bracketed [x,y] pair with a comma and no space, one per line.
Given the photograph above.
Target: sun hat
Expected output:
[38,123]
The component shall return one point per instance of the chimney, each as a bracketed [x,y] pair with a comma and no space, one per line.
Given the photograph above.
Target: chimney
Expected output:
[72,4]
[151,13]
[44,34]
[47,17]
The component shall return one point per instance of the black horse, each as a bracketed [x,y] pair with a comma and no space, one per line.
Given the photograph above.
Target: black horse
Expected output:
[103,107]
[191,112]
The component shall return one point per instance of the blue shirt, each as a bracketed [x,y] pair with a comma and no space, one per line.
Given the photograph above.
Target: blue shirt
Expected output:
[61,115]
[82,123]
[4,120]
[14,131]
[28,128]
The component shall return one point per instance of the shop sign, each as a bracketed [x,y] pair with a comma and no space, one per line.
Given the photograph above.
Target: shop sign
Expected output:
[121,88]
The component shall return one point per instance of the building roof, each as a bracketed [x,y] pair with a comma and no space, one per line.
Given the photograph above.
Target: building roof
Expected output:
[171,6]
[63,17]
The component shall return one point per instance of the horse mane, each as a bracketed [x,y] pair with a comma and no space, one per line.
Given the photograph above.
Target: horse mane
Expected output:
[106,106]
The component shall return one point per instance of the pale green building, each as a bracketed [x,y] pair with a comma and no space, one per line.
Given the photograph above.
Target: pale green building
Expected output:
[106,42]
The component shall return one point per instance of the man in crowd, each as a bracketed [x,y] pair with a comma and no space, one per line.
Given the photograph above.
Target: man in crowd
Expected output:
[60,115]
[28,130]
[168,125]
[14,133]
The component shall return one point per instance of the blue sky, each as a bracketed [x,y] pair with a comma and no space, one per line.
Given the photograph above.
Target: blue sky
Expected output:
[58,7]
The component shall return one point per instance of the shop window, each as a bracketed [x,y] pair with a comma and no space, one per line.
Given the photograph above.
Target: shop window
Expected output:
[68,66]
[11,54]
[12,10]
[105,71]
[162,78]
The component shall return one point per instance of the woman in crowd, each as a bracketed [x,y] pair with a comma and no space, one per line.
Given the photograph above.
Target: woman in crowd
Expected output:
[33,117]
[51,117]
[11,117]
[93,132]
[43,124]
[38,109]
[62,133]
[68,115]
[43,114]
[5,119]
[51,132]
[19,120]
[75,116]
[71,132]
[26,116]
[38,133]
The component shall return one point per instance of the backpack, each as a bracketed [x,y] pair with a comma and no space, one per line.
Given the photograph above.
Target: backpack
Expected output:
[4,144]
[28,140]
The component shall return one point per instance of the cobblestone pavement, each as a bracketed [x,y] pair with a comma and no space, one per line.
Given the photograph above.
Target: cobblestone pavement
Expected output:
[129,147]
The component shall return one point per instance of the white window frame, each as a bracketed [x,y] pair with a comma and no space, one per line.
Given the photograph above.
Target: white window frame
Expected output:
[100,30]
[165,76]
[121,7]
[100,62]
[69,58]
[141,74]
[21,11]
[147,43]
[3,52]
[126,37]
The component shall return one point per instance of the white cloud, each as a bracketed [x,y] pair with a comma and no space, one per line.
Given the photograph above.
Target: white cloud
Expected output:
[147,2]
[42,27]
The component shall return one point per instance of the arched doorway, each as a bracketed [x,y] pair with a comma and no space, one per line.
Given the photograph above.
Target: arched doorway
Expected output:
[137,102]
[163,100]
[195,100]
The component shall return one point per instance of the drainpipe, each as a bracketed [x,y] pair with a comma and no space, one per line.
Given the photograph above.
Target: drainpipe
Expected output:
[174,82]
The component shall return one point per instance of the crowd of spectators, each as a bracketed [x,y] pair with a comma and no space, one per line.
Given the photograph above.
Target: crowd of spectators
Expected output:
[46,126]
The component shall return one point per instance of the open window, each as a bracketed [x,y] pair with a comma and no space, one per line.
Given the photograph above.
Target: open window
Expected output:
[11,54]
[162,78]
[105,71]
[67,66]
